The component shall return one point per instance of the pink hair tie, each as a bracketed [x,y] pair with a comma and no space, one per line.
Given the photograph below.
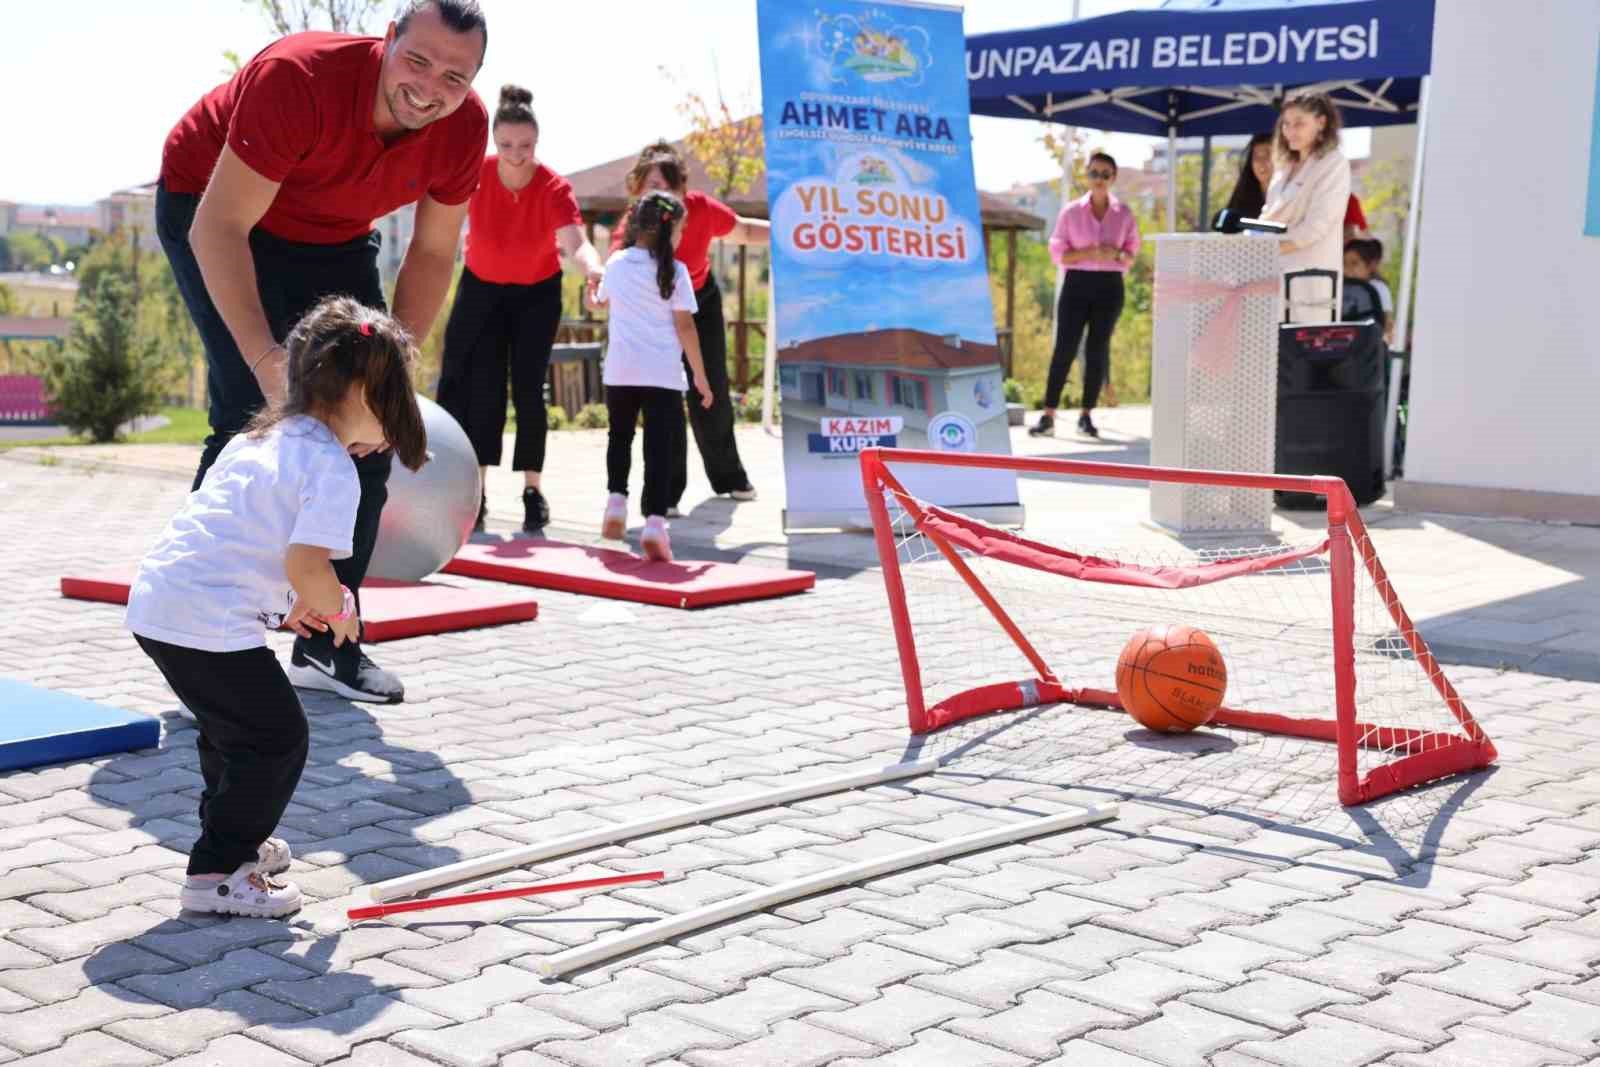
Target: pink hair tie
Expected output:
[366,329]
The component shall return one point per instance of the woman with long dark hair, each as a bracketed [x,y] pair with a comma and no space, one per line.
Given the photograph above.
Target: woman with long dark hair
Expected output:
[523,217]
[661,169]
[1255,174]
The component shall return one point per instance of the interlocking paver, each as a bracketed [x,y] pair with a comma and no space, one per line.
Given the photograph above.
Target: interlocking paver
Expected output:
[754,1010]
[196,1031]
[328,1037]
[794,1044]
[508,1028]
[1181,1035]
[43,1028]
[1331,1041]
[1550,1020]
[889,1021]
[1039,1024]
[237,1049]
[997,979]
[1275,1000]
[1495,981]
[939,1047]
[99,1050]
[1471,1046]
[198,986]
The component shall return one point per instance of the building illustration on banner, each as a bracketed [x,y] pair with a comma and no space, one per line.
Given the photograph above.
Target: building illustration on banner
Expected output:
[897,388]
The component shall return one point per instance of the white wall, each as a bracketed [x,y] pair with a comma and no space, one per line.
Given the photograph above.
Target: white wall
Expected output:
[1506,380]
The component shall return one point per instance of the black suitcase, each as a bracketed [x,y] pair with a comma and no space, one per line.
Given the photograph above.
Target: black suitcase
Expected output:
[1330,405]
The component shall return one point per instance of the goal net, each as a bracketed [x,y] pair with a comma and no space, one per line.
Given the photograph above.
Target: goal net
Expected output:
[1332,695]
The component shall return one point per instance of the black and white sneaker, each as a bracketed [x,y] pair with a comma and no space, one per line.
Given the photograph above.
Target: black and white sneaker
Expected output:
[483,515]
[1045,427]
[1087,427]
[535,510]
[346,670]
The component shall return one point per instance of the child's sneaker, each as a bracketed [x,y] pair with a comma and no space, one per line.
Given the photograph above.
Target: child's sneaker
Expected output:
[615,523]
[274,856]
[654,541]
[247,891]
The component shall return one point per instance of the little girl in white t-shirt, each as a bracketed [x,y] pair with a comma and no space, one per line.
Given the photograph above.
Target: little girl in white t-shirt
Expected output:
[249,551]
[651,322]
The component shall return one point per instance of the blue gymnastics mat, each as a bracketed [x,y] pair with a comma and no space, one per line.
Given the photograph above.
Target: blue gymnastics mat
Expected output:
[38,726]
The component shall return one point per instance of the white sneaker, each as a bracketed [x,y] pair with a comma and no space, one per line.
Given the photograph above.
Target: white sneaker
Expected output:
[674,513]
[274,856]
[615,522]
[654,541]
[247,891]
[748,493]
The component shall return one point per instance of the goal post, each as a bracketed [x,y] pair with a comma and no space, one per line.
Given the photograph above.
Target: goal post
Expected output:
[1318,645]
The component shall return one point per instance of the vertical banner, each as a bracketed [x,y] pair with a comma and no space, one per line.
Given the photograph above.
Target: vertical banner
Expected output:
[885,326]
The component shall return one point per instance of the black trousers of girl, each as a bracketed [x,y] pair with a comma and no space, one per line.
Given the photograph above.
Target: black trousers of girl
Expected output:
[713,426]
[253,742]
[1090,299]
[494,328]
[664,441]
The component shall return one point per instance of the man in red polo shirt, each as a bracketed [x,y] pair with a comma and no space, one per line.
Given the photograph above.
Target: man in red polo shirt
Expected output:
[269,188]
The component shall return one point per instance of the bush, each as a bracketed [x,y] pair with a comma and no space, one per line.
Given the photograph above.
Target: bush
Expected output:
[592,417]
[111,370]
[748,406]
[556,417]
[1013,391]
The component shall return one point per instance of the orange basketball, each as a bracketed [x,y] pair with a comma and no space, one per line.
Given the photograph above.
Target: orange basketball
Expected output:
[1171,678]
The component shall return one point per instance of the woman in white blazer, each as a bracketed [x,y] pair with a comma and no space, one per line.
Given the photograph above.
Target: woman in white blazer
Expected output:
[1309,191]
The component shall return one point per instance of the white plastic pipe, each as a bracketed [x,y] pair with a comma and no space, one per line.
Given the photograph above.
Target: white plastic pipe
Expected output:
[572,959]
[494,863]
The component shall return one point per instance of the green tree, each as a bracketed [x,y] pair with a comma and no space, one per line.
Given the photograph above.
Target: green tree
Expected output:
[6,262]
[111,369]
[30,251]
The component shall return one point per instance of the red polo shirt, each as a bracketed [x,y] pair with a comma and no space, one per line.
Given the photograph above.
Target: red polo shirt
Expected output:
[300,114]
[511,236]
[708,219]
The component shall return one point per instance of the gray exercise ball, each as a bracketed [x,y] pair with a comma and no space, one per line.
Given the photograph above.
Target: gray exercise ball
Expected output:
[430,512]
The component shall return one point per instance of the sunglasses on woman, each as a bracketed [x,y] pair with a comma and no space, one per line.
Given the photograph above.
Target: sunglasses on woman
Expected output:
[1102,175]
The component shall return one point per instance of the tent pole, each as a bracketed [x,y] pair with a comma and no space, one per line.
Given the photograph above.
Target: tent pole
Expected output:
[1408,273]
[1205,182]
[1069,132]
[1408,268]
[1172,179]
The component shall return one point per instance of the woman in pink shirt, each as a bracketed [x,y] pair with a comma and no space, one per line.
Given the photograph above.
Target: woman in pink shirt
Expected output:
[1095,240]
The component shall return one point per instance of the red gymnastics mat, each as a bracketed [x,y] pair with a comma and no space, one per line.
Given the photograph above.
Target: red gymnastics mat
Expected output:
[389,610]
[607,572]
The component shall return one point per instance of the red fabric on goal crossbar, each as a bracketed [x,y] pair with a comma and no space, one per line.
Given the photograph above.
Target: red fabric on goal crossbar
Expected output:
[994,543]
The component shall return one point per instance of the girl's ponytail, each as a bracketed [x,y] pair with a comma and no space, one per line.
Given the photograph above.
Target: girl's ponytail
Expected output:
[654,215]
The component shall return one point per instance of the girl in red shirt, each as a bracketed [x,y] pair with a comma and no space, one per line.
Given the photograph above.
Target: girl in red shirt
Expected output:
[661,168]
[508,301]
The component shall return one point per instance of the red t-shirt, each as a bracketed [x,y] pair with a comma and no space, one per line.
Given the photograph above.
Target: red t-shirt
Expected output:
[511,236]
[708,219]
[300,113]
[1353,215]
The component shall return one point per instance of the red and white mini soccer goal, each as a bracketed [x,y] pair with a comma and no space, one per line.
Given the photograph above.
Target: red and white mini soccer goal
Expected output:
[1317,645]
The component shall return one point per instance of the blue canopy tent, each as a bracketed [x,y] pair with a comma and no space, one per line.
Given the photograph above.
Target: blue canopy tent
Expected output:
[1199,67]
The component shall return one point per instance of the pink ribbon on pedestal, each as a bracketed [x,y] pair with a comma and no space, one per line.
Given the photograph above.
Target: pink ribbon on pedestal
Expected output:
[1215,350]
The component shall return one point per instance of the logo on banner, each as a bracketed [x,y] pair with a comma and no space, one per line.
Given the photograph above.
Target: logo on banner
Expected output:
[846,435]
[871,49]
[952,431]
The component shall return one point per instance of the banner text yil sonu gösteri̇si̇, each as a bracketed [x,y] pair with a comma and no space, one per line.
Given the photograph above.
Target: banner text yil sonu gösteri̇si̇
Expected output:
[885,328]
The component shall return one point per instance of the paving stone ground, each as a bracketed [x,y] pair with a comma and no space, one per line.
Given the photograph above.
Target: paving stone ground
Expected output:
[1455,927]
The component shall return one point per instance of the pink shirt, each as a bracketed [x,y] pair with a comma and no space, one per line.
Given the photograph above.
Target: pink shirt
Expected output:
[1077,228]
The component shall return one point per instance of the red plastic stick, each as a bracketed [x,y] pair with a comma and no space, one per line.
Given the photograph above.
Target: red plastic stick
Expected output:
[378,911]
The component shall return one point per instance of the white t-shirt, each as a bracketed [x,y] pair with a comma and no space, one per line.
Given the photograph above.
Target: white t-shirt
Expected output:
[642,346]
[1385,298]
[214,580]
